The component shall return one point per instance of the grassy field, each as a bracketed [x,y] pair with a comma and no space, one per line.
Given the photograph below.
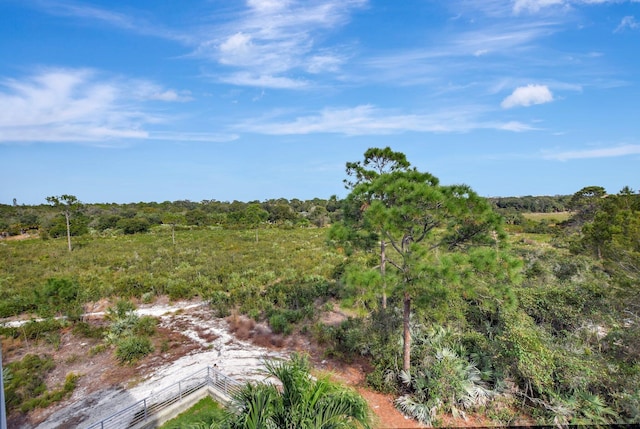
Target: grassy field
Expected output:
[201,263]
[549,217]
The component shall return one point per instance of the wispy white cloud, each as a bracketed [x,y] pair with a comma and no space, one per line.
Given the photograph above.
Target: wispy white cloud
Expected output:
[465,56]
[78,105]
[501,38]
[79,10]
[272,39]
[370,120]
[515,126]
[527,96]
[627,22]
[132,23]
[145,90]
[605,152]
[193,137]
[534,6]
[264,81]
[324,62]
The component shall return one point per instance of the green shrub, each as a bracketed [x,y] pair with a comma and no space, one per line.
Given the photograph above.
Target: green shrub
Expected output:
[279,324]
[106,222]
[87,330]
[61,291]
[145,326]
[131,349]
[220,303]
[179,289]
[525,349]
[25,388]
[51,397]
[134,225]
[445,382]
[60,296]
[58,226]
[17,304]
[133,285]
[33,329]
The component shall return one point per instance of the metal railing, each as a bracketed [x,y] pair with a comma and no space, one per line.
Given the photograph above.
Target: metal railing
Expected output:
[147,408]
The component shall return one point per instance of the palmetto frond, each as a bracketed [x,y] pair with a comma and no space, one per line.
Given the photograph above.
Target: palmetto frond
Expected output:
[446,383]
[418,410]
[300,401]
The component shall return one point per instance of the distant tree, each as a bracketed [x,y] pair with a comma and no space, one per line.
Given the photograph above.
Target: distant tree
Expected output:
[280,212]
[68,204]
[107,221]
[173,219]
[196,217]
[585,203]
[319,216]
[254,215]
[134,225]
[613,233]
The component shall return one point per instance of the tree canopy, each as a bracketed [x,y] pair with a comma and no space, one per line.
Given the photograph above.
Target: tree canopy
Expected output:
[417,217]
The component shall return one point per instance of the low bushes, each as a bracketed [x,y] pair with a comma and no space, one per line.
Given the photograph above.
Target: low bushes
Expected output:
[129,333]
[131,349]
[25,388]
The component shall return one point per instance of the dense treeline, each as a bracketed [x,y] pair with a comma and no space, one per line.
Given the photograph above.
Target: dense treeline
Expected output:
[140,217]
[531,204]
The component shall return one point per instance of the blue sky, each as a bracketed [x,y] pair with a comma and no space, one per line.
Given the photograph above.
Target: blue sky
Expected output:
[251,100]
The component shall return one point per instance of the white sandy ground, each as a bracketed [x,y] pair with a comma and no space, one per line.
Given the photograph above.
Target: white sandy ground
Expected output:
[237,359]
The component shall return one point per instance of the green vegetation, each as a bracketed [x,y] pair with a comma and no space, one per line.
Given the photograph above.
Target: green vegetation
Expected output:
[415,219]
[24,384]
[226,266]
[459,305]
[204,414]
[302,402]
[533,325]
[129,332]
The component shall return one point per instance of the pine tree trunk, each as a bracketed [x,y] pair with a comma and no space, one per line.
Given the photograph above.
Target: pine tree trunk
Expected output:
[66,215]
[406,349]
[383,262]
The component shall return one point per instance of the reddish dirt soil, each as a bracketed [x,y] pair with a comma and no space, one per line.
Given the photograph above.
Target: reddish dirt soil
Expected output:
[386,414]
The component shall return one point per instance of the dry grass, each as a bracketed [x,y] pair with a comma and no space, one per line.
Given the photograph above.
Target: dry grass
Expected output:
[246,329]
[550,217]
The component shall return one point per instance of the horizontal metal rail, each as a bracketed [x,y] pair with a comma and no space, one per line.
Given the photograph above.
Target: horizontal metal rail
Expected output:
[150,406]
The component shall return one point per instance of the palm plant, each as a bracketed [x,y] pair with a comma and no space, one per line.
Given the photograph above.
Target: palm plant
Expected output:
[444,381]
[582,408]
[298,401]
